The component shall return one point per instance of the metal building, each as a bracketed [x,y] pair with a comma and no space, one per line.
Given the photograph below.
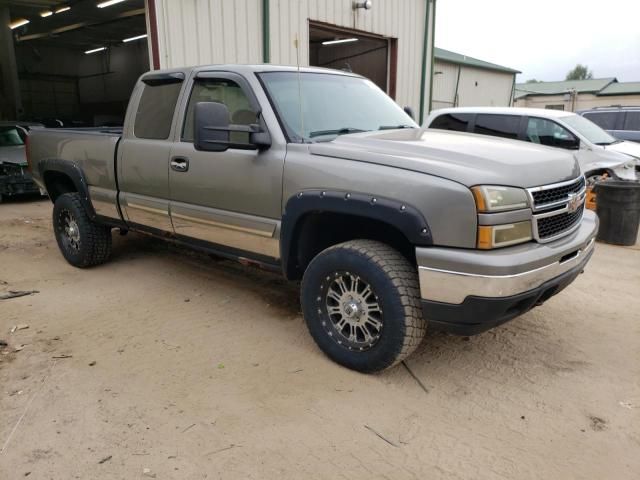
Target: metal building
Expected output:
[75,62]
[573,95]
[389,41]
[463,81]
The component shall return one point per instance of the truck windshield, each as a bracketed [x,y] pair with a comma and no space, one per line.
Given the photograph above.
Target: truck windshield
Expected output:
[9,137]
[317,107]
[589,130]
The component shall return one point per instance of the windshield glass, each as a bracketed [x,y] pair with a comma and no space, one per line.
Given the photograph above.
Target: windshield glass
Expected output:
[331,105]
[589,130]
[9,137]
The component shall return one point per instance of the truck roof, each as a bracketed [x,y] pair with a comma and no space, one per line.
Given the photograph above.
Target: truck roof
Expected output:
[538,112]
[255,68]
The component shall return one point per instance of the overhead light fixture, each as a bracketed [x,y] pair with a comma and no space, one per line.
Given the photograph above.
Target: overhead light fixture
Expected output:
[131,39]
[46,13]
[18,23]
[108,3]
[62,9]
[95,50]
[342,40]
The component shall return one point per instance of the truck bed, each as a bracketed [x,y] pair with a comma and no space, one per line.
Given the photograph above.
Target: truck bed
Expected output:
[92,149]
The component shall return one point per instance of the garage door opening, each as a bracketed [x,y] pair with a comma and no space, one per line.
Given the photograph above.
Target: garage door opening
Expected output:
[77,62]
[368,55]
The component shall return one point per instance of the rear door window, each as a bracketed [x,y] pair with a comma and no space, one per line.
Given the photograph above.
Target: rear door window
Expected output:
[155,111]
[506,126]
[605,120]
[632,121]
[458,122]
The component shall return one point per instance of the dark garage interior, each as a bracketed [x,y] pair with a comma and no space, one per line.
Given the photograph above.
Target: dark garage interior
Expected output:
[365,54]
[74,63]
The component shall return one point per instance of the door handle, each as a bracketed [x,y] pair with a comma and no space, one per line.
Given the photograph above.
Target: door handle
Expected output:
[179,164]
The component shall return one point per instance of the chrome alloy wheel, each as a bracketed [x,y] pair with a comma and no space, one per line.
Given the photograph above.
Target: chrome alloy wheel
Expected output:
[353,315]
[70,231]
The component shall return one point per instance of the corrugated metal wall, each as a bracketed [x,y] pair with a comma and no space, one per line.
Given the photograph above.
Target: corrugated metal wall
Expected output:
[196,32]
[476,87]
[200,32]
[479,87]
[402,19]
[584,101]
[445,77]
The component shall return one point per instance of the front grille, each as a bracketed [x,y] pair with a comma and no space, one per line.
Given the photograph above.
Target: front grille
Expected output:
[557,224]
[556,194]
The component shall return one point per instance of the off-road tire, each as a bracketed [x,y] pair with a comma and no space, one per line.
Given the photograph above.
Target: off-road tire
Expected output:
[395,283]
[94,245]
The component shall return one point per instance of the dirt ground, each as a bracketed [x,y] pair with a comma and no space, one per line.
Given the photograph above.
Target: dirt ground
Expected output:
[179,366]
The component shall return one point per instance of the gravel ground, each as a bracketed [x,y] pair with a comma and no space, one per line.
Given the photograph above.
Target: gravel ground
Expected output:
[169,364]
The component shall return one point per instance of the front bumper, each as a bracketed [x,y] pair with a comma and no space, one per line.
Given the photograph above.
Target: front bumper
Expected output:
[469,291]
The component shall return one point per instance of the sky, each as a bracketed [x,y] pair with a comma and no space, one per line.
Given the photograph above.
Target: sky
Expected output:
[545,38]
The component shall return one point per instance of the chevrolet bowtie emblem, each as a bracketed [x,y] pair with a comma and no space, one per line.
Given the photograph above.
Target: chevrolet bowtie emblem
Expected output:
[574,202]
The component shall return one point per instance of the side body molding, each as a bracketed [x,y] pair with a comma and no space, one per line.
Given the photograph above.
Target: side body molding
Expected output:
[404,217]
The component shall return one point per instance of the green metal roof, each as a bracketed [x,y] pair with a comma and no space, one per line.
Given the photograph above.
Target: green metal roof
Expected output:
[453,57]
[594,85]
[621,88]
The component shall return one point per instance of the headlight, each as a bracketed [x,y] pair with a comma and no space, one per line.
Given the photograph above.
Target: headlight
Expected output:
[492,198]
[496,236]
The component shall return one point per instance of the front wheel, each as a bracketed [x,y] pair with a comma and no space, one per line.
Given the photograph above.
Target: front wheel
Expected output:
[361,303]
[83,243]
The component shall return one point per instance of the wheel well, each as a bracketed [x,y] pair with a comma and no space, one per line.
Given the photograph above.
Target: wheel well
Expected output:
[599,171]
[58,183]
[318,231]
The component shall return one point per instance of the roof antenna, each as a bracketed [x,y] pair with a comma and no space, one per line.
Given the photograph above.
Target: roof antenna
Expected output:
[296,42]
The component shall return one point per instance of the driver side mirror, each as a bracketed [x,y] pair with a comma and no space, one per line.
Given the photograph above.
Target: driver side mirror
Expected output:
[213,130]
[568,143]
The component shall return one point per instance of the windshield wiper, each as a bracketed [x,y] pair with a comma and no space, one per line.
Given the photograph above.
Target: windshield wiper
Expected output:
[338,131]
[604,144]
[395,127]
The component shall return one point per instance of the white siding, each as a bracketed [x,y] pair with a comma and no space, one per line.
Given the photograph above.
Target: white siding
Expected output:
[584,101]
[493,87]
[196,32]
[403,20]
[199,32]
[484,88]
[445,78]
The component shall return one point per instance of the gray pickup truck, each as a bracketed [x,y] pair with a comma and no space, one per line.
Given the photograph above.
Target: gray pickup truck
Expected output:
[319,175]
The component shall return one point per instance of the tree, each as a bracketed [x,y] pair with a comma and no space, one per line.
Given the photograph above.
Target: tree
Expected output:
[579,72]
[532,80]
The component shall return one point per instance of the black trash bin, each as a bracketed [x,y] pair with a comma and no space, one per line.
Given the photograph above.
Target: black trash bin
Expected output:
[618,207]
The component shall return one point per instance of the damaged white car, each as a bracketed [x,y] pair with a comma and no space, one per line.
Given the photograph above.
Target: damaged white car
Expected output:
[15,178]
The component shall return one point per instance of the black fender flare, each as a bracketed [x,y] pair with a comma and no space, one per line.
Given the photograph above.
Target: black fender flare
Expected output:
[75,173]
[403,216]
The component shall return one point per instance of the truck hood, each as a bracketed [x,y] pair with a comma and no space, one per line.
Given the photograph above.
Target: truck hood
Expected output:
[14,155]
[465,158]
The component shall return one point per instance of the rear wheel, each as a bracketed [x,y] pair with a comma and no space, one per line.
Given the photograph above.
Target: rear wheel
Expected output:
[361,303]
[83,243]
